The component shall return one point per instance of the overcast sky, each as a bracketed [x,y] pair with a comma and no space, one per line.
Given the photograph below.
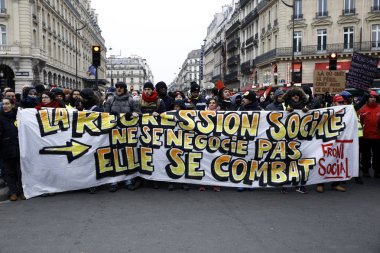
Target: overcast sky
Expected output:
[161,31]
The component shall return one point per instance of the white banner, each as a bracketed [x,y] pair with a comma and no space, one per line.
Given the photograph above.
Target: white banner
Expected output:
[63,150]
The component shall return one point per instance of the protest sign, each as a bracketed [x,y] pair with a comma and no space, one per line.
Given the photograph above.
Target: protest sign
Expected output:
[332,81]
[363,71]
[63,150]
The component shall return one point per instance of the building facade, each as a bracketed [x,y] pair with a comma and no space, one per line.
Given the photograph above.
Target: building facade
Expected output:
[48,42]
[189,72]
[133,70]
[262,38]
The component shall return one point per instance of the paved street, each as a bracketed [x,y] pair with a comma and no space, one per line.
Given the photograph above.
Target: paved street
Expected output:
[149,220]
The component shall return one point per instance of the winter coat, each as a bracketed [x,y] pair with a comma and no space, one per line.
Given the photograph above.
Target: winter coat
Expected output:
[369,117]
[301,104]
[199,103]
[9,147]
[121,104]
[251,107]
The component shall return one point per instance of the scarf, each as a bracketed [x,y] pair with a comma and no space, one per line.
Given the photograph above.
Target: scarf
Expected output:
[53,104]
[151,98]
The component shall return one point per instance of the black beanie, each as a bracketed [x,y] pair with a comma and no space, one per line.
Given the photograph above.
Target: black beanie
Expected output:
[148,85]
[160,85]
[250,95]
[194,87]
[40,88]
[87,93]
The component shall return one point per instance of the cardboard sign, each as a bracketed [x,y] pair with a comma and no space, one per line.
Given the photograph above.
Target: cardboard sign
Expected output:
[332,81]
[362,72]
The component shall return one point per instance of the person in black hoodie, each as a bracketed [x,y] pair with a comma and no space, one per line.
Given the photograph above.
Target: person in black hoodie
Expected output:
[224,100]
[162,91]
[29,98]
[9,149]
[278,103]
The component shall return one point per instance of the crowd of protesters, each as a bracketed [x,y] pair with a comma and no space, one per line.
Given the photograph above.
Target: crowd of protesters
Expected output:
[155,99]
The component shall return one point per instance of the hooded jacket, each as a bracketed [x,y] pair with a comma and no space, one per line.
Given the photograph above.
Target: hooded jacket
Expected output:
[302,103]
[121,104]
[275,106]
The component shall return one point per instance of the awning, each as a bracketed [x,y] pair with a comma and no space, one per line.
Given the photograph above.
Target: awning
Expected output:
[345,65]
[297,67]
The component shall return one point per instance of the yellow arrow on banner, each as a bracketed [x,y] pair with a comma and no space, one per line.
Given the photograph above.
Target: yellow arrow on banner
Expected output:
[73,149]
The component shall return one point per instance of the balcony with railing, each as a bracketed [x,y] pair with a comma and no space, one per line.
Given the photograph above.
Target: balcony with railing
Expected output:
[249,18]
[243,3]
[234,44]
[321,14]
[234,60]
[246,67]
[248,41]
[232,29]
[266,56]
[231,77]
[351,11]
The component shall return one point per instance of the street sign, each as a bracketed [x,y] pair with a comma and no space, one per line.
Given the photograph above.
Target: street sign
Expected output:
[332,81]
[22,73]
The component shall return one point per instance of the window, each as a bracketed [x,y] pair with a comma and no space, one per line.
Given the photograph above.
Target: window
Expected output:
[322,39]
[376,5]
[2,7]
[348,35]
[298,9]
[297,41]
[376,36]
[322,8]
[349,7]
[3,38]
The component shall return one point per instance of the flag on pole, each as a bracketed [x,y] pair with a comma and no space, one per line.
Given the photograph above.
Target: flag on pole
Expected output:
[219,84]
[91,71]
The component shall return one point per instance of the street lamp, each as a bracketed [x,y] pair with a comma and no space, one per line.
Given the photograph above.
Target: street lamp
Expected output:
[76,53]
[111,68]
[291,6]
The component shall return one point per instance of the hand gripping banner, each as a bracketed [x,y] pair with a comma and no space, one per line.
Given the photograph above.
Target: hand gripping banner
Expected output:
[63,150]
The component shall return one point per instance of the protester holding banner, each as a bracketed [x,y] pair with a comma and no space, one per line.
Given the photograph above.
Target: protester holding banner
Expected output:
[337,100]
[177,106]
[9,149]
[296,99]
[369,117]
[212,105]
[121,102]
[162,91]
[30,98]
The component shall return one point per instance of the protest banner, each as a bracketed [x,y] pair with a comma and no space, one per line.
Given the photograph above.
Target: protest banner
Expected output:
[332,81]
[363,71]
[63,150]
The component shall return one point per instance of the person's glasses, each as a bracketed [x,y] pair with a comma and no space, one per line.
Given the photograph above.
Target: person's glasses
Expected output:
[43,97]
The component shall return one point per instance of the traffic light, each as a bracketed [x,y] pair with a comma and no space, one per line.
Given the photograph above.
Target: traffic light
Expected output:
[96,51]
[333,61]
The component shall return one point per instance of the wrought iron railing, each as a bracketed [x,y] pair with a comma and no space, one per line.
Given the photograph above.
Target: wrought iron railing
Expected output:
[234,60]
[321,14]
[233,44]
[348,11]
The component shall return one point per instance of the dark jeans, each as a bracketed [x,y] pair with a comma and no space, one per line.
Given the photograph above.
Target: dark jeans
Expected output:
[370,148]
[13,175]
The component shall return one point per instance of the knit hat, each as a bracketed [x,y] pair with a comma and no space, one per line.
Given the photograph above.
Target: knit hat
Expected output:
[277,93]
[121,84]
[345,94]
[180,103]
[250,95]
[87,93]
[338,98]
[160,85]
[194,87]
[148,85]
[58,91]
[50,94]
[40,88]
[373,93]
